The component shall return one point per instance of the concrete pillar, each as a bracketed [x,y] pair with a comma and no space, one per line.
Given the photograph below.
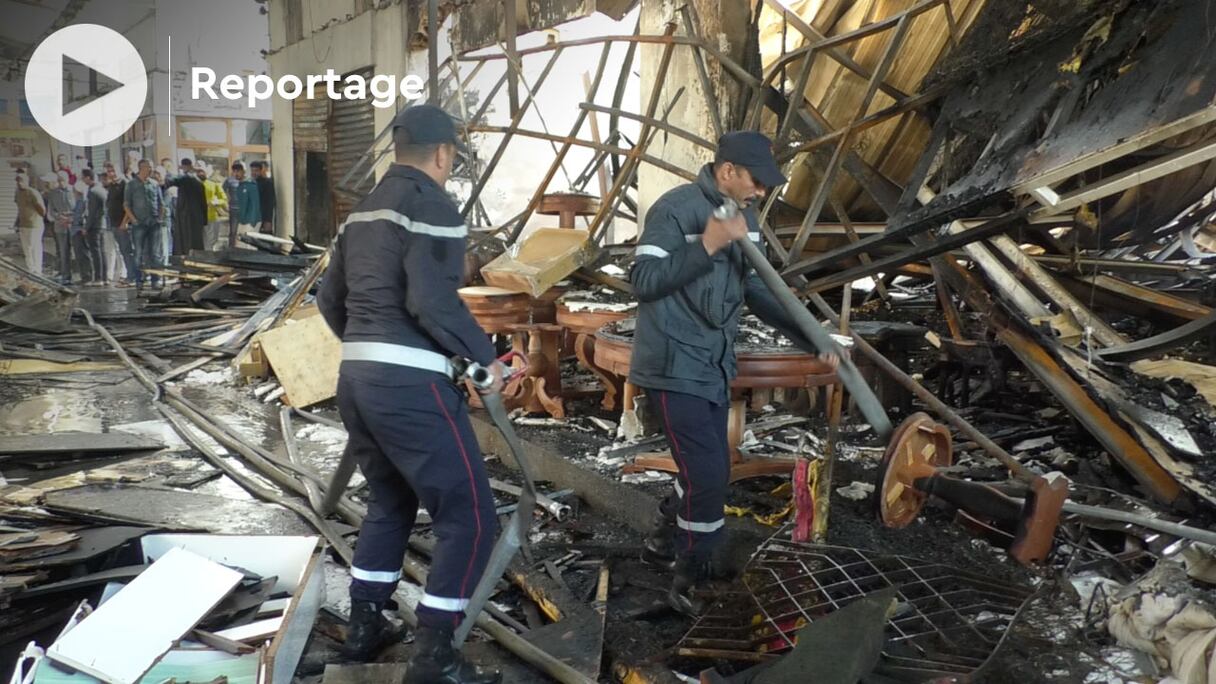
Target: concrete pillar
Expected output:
[725,25]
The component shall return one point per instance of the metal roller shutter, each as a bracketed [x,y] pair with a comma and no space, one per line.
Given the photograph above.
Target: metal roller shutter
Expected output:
[352,130]
[310,123]
[8,189]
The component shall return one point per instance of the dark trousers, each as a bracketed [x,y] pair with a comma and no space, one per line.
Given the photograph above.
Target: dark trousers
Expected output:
[63,249]
[146,239]
[696,432]
[415,445]
[89,261]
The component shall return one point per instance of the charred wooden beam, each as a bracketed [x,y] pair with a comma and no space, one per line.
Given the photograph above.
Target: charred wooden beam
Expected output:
[829,174]
[541,187]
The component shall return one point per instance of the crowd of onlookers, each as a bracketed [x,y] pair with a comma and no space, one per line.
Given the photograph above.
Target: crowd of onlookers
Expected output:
[120,228]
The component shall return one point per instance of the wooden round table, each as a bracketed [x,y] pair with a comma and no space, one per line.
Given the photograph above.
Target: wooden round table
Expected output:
[497,310]
[504,312]
[584,322]
[759,368]
[568,206]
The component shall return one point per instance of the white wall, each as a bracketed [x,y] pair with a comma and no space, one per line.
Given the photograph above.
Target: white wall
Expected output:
[378,39]
[372,39]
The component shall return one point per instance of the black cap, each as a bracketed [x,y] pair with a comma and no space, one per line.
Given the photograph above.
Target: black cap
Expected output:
[753,151]
[426,124]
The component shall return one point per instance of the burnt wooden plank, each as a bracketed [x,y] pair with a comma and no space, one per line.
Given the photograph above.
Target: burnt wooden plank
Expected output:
[75,443]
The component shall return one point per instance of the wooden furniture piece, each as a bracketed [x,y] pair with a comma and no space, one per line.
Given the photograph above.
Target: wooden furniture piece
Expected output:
[758,369]
[538,389]
[568,206]
[497,310]
[584,324]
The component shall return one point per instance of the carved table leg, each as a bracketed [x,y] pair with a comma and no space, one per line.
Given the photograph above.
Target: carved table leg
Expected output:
[584,349]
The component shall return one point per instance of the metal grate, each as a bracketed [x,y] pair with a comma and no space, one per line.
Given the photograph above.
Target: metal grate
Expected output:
[947,622]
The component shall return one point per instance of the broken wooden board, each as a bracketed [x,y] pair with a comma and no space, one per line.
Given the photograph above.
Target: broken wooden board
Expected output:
[236,337]
[29,300]
[68,443]
[30,544]
[126,635]
[1201,377]
[254,631]
[153,469]
[15,583]
[241,604]
[251,362]
[125,573]
[376,673]
[175,509]
[547,256]
[578,640]
[1113,394]
[304,355]
[40,354]
[31,366]
[92,543]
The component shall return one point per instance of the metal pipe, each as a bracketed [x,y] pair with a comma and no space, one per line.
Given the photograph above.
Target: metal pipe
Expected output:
[293,455]
[810,327]
[248,484]
[318,523]
[560,511]
[517,115]
[707,87]
[909,383]
[607,210]
[1164,526]
[432,49]
[317,418]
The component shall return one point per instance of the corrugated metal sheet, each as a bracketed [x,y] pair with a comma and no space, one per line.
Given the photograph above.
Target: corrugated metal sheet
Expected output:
[892,147]
[478,24]
[8,190]
[352,129]
[98,156]
[310,124]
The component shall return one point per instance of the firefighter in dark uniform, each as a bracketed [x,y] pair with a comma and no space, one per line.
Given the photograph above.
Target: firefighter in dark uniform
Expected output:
[692,282]
[390,296]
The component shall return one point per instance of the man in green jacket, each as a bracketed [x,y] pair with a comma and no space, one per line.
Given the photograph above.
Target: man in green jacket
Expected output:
[248,207]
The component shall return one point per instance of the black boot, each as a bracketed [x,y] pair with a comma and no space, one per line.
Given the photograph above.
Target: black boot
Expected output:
[436,662]
[660,548]
[368,632]
[689,574]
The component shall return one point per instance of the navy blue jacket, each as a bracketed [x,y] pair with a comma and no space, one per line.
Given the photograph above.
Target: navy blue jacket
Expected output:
[393,276]
[690,302]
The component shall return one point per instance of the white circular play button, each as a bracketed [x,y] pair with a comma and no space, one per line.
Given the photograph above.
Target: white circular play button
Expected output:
[103,51]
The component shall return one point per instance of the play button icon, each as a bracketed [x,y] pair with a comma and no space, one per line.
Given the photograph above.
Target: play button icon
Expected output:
[105,85]
[86,122]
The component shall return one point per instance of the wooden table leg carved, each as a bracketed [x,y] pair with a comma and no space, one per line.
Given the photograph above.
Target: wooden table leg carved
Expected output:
[757,370]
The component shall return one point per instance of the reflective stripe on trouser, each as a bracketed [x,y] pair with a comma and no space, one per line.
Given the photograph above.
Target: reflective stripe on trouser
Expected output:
[696,433]
[415,445]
